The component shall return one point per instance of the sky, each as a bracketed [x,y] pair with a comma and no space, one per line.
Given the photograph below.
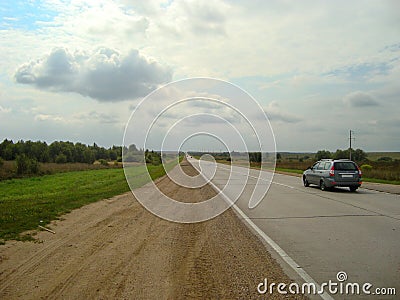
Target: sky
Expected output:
[76,70]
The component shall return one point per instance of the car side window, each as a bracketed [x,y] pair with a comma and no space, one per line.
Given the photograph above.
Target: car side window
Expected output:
[327,166]
[315,166]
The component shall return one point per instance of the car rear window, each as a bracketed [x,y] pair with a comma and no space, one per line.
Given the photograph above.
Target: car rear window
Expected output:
[345,166]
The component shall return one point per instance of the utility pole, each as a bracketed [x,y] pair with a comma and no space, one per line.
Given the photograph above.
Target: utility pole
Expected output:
[350,139]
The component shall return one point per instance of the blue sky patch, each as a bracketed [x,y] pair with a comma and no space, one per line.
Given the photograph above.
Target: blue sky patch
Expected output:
[360,71]
[26,15]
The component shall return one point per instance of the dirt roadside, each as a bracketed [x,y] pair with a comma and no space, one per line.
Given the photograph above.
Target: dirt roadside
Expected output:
[116,249]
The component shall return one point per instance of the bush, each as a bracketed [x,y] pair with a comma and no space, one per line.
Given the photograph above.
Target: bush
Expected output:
[1,162]
[61,159]
[22,162]
[103,162]
[366,167]
[26,165]
[33,166]
[385,158]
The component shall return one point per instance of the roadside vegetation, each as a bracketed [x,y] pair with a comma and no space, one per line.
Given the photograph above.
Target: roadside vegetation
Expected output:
[28,202]
[381,167]
[28,158]
[40,182]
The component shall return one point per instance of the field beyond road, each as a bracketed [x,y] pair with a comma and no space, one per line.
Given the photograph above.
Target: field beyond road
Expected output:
[116,249]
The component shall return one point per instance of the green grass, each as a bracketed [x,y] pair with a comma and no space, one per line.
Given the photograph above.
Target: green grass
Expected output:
[25,202]
[290,170]
[366,179]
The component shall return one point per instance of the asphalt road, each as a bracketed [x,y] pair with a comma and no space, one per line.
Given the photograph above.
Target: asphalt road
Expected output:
[323,232]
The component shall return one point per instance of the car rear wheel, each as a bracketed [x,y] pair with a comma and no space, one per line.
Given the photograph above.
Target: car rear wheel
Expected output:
[353,188]
[305,181]
[322,186]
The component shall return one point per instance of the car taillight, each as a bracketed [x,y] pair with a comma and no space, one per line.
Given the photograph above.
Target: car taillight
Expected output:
[332,171]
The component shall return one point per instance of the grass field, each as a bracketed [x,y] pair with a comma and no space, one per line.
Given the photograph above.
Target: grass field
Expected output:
[8,169]
[376,155]
[28,202]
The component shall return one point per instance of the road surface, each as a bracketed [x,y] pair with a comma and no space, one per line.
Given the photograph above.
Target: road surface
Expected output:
[324,232]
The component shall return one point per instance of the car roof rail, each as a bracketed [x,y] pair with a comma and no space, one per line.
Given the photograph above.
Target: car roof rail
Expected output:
[327,159]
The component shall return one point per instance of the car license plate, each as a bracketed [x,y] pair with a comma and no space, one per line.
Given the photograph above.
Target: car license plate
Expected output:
[347,175]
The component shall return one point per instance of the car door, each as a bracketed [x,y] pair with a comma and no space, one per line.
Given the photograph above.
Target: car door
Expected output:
[312,175]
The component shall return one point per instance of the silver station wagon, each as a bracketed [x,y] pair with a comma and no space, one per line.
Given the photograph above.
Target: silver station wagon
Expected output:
[328,173]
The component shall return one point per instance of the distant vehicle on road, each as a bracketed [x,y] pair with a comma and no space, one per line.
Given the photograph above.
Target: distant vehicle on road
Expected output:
[329,173]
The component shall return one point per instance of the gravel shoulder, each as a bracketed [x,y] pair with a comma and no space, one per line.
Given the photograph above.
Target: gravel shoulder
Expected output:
[115,248]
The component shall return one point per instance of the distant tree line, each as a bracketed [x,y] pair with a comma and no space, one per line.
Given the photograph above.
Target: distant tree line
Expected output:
[132,154]
[356,155]
[58,152]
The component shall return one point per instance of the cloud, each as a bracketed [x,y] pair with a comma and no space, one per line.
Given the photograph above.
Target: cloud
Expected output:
[196,19]
[275,113]
[360,99]
[105,74]
[98,117]
[4,110]
[49,117]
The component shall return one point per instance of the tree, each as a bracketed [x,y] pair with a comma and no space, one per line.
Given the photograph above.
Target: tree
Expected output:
[22,163]
[112,154]
[10,152]
[89,156]
[54,150]
[321,154]
[26,165]
[132,148]
[341,154]
[359,155]
[61,159]
[255,157]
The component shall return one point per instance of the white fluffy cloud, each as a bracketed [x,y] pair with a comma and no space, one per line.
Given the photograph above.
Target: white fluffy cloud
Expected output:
[276,114]
[105,74]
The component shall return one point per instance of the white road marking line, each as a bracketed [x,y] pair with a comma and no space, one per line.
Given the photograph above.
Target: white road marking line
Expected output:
[292,187]
[290,261]
[252,176]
